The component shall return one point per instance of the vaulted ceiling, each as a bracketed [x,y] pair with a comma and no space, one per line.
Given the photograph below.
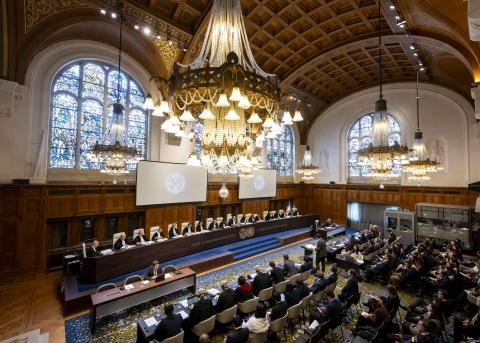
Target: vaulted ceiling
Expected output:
[324,50]
[321,50]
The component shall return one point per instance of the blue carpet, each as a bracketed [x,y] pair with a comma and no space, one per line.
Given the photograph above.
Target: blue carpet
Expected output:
[241,250]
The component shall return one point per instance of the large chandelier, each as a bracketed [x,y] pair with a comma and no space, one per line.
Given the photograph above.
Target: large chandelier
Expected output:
[113,153]
[225,89]
[307,168]
[380,156]
[420,165]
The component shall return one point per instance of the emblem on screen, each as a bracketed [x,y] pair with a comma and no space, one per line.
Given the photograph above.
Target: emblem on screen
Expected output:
[259,183]
[246,232]
[175,183]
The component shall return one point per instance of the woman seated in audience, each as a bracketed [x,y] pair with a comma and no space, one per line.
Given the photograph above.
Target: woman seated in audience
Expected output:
[258,323]
[405,274]
[391,300]
[376,316]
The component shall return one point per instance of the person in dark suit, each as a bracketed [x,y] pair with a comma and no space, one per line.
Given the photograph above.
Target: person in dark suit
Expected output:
[267,217]
[281,215]
[302,289]
[203,309]
[186,230]
[120,243]
[315,228]
[333,277]
[276,274]
[92,251]
[250,220]
[321,253]
[468,327]
[256,218]
[226,299]
[244,290]
[333,310]
[294,213]
[140,238]
[307,264]
[199,227]
[222,224]
[158,235]
[350,290]
[280,308]
[291,295]
[172,232]
[169,326]
[213,225]
[237,334]
[371,247]
[320,283]
[289,266]
[381,268]
[260,281]
[154,270]
[242,220]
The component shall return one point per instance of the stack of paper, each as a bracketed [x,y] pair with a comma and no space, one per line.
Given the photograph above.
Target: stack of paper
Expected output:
[151,321]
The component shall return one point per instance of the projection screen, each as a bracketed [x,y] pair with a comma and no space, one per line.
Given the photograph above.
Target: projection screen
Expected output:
[169,183]
[262,184]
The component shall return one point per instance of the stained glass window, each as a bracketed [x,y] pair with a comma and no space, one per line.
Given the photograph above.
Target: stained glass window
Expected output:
[280,152]
[360,136]
[81,112]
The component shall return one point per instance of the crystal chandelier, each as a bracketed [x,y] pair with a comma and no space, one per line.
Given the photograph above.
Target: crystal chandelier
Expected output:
[225,89]
[420,165]
[307,169]
[380,156]
[112,152]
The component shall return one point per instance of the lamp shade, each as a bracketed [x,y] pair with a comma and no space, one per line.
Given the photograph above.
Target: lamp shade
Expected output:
[254,119]
[223,101]
[232,115]
[244,103]
[148,104]
[236,94]
[297,116]
[187,116]
[287,118]
[268,122]
[207,114]
[157,112]
[164,106]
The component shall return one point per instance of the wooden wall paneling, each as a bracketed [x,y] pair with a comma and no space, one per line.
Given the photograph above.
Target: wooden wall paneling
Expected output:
[8,245]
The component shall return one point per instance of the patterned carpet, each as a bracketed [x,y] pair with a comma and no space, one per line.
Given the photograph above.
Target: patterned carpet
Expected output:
[121,327]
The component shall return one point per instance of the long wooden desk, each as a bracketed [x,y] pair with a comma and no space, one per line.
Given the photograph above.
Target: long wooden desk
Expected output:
[113,300]
[97,269]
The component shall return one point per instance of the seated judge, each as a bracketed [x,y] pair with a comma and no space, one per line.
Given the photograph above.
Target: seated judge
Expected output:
[256,218]
[140,238]
[199,227]
[281,215]
[120,243]
[172,232]
[154,270]
[226,299]
[294,213]
[92,249]
[232,221]
[250,219]
[267,217]
[328,223]
[213,225]
[275,215]
[169,326]
[158,235]
[260,281]
[186,230]
[222,224]
[203,309]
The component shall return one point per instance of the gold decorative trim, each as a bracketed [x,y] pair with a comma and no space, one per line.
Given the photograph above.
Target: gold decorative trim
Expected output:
[39,10]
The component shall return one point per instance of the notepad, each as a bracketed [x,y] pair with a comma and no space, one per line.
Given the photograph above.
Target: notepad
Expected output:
[145,282]
[183,314]
[314,325]
[184,303]
[310,247]
[151,321]
[213,291]
[168,275]
[128,286]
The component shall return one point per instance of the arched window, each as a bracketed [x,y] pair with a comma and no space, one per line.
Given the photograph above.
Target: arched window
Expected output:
[360,136]
[83,94]
[280,152]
